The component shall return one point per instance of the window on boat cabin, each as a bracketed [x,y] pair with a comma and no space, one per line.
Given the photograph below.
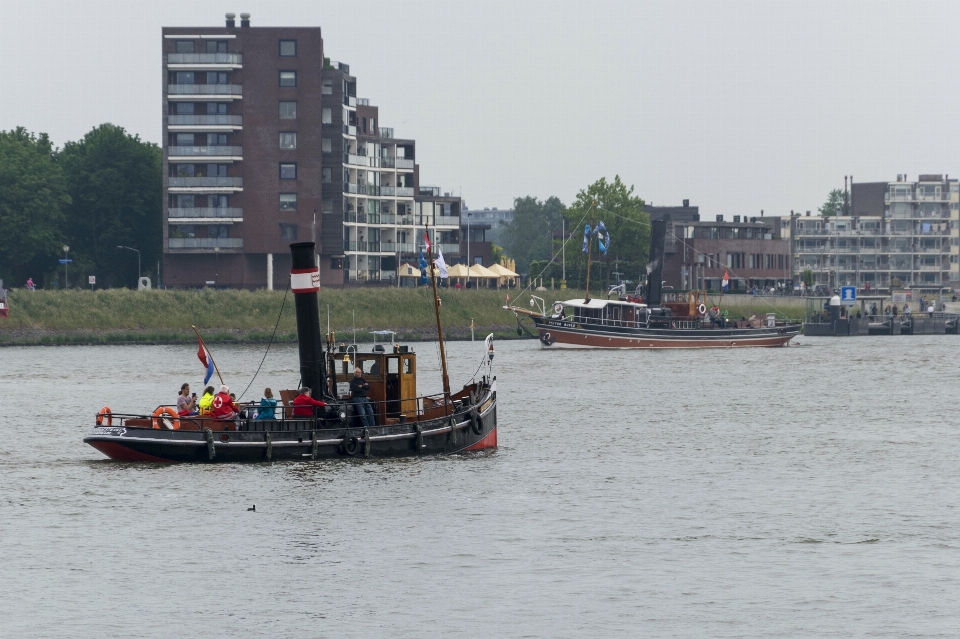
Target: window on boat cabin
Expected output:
[288,232]
[217,201]
[369,366]
[184,108]
[216,139]
[393,365]
[184,46]
[216,46]
[288,110]
[216,77]
[288,201]
[216,108]
[409,368]
[218,230]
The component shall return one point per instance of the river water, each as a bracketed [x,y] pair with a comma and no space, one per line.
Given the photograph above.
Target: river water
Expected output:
[798,492]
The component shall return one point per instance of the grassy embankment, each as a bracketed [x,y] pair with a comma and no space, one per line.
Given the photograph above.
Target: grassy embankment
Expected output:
[124,316]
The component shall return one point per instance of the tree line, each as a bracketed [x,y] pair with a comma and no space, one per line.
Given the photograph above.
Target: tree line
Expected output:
[93,195]
[534,237]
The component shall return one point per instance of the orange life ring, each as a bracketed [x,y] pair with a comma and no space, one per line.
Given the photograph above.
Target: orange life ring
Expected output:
[105,412]
[169,411]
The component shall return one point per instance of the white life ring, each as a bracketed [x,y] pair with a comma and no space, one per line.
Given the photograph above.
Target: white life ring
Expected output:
[557,308]
[702,309]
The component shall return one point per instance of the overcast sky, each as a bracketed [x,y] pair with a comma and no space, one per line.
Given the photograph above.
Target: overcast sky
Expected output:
[736,106]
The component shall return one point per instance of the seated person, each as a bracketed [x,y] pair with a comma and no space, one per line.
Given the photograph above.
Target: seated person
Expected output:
[268,405]
[303,404]
[223,406]
[206,402]
[186,403]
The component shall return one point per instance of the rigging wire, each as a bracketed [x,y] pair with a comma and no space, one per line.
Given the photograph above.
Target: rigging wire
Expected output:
[279,315]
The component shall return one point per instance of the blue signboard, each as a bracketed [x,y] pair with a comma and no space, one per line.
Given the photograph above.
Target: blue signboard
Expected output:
[848,294]
[65,261]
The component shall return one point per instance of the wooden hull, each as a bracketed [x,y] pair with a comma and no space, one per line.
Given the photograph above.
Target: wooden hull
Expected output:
[299,440]
[564,334]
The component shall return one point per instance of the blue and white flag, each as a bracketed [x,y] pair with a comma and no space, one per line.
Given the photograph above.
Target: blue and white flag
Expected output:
[586,237]
[603,237]
[423,269]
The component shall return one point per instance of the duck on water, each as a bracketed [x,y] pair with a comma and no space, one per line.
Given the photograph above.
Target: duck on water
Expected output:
[405,424]
[659,320]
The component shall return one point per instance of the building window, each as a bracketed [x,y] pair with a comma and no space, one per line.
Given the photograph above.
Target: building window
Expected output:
[288,48]
[184,46]
[181,170]
[185,77]
[288,78]
[288,110]
[217,201]
[327,207]
[215,77]
[327,87]
[183,230]
[288,171]
[216,170]
[218,230]
[216,139]
[327,175]
[216,108]
[288,140]
[184,108]
[184,139]
[326,115]
[288,232]
[373,125]
[216,46]
[288,201]
[326,145]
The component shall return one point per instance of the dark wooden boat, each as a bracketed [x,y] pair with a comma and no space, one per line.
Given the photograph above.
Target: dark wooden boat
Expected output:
[405,424]
[672,319]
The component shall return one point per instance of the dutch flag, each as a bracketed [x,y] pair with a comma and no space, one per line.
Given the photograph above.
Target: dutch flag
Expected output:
[206,360]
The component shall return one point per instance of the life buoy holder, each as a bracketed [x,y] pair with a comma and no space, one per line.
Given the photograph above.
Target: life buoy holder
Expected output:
[105,412]
[351,445]
[174,418]
[476,424]
[702,309]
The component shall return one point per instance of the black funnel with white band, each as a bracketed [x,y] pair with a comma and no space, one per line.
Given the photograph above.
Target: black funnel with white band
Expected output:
[305,285]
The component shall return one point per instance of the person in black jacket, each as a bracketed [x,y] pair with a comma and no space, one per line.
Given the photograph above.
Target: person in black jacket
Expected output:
[358,394]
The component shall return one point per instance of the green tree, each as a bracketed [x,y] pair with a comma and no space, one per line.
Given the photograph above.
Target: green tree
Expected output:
[115,182]
[614,204]
[835,203]
[496,252]
[32,198]
[527,237]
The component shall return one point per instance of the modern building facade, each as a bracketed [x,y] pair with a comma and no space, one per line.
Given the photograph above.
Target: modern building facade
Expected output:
[265,142]
[898,233]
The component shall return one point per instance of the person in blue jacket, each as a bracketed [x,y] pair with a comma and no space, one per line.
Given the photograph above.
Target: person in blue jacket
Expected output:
[268,405]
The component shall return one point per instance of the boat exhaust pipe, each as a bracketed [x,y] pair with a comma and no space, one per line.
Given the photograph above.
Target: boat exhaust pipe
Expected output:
[305,284]
[658,233]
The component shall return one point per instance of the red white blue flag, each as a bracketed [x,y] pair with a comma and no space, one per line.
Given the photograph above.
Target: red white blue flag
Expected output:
[726,279]
[206,360]
[426,240]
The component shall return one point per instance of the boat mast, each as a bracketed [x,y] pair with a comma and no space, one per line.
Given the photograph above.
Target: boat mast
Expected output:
[436,308]
[586,298]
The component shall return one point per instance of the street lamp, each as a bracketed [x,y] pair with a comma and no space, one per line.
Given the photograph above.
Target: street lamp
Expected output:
[66,267]
[138,261]
[469,215]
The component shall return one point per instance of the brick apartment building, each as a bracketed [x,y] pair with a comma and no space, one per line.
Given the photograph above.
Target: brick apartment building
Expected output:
[265,142]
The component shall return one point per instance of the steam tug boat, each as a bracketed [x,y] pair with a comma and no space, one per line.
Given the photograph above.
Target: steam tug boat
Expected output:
[660,320]
[405,424]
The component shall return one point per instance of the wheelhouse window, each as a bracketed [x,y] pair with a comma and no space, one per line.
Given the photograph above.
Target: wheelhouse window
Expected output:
[288,48]
[288,171]
[288,140]
[288,110]
[288,201]
[288,78]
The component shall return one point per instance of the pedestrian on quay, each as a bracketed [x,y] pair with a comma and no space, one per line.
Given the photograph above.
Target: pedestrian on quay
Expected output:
[930,309]
[906,310]
[894,310]
[32,287]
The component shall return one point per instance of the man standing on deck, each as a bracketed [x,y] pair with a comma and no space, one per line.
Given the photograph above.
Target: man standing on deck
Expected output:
[358,393]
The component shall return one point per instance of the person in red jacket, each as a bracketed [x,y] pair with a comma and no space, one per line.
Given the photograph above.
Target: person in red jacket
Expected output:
[223,406]
[303,404]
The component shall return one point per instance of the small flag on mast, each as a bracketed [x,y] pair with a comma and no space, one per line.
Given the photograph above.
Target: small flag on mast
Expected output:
[426,240]
[441,265]
[204,356]
[726,279]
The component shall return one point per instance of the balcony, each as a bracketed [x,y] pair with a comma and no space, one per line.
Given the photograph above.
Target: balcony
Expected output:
[219,153]
[447,220]
[403,163]
[361,160]
[388,162]
[205,122]
[204,61]
[405,220]
[201,215]
[388,190]
[350,130]
[228,243]
[350,100]
[387,218]
[207,183]
[406,248]
[449,248]
[355,247]
[386,132]
[209,91]
[349,188]
[404,191]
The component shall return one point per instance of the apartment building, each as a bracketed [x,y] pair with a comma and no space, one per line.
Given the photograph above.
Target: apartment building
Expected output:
[897,233]
[265,142]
